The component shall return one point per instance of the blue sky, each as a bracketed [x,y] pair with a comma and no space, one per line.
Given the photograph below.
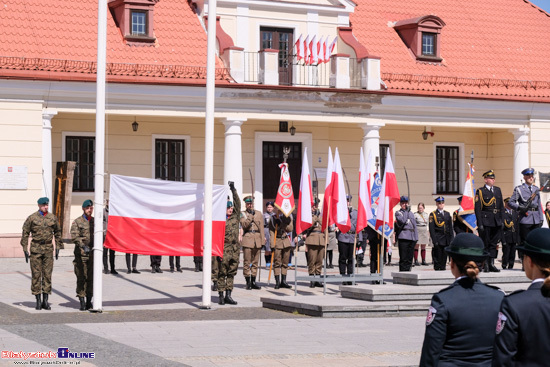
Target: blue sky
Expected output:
[543,4]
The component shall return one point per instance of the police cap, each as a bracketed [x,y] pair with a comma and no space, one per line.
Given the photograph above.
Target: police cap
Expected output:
[404,199]
[440,199]
[528,172]
[489,174]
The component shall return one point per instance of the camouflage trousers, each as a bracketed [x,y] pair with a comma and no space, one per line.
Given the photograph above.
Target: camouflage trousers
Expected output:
[227,266]
[216,260]
[41,269]
[84,271]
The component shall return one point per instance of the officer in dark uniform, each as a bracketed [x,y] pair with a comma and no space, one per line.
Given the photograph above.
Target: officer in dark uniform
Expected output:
[523,337]
[458,223]
[526,200]
[345,244]
[374,239]
[489,209]
[460,326]
[441,233]
[406,233]
[510,235]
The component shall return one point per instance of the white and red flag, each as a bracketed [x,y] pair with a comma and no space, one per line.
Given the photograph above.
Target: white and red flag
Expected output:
[299,48]
[155,217]
[389,196]
[305,46]
[364,211]
[323,52]
[284,200]
[305,199]
[313,59]
[332,46]
[318,51]
[327,200]
[339,209]
[466,211]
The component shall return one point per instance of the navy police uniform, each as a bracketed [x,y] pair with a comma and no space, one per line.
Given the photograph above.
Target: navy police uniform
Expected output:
[441,233]
[522,337]
[489,207]
[345,244]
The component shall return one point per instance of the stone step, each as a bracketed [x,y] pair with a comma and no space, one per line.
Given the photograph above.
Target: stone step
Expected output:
[403,293]
[427,278]
[335,306]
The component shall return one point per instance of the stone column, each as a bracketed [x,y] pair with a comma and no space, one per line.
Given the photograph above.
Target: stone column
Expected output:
[521,153]
[233,157]
[47,175]
[371,140]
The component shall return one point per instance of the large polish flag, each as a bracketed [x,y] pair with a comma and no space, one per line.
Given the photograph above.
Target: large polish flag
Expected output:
[389,196]
[155,217]
[339,208]
[364,211]
[328,193]
[304,218]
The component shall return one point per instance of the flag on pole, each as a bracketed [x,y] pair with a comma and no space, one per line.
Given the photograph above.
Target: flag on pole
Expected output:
[154,217]
[305,199]
[389,196]
[328,193]
[339,208]
[305,45]
[332,46]
[313,51]
[318,51]
[284,200]
[466,211]
[364,211]
[299,49]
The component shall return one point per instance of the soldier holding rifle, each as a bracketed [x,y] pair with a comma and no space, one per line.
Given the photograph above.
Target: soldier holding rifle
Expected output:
[526,200]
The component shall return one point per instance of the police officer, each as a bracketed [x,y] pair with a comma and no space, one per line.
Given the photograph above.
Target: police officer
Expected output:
[252,222]
[315,242]
[441,233]
[524,320]
[82,234]
[489,209]
[406,233]
[458,223]
[510,235]
[345,243]
[228,265]
[279,228]
[460,326]
[43,227]
[526,200]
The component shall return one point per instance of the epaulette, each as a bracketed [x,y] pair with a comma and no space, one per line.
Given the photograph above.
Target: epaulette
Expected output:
[515,292]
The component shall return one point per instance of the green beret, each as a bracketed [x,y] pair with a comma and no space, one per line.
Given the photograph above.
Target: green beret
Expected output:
[87,203]
[43,201]
[229,204]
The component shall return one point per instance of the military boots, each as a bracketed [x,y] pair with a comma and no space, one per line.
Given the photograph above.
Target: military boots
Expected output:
[248,286]
[38,303]
[492,267]
[45,304]
[277,281]
[253,284]
[221,299]
[284,284]
[88,302]
[82,303]
[228,298]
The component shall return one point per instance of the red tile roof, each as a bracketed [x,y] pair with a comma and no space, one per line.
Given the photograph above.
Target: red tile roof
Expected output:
[496,48]
[67,30]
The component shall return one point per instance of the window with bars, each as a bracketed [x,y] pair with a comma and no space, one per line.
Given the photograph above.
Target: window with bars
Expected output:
[428,44]
[170,159]
[447,173]
[138,25]
[81,149]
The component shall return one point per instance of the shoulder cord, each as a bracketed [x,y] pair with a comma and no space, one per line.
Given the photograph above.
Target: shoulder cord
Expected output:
[491,202]
[442,224]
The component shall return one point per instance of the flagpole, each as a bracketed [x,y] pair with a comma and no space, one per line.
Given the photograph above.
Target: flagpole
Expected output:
[99,154]
[209,154]
[272,253]
[353,260]
[326,241]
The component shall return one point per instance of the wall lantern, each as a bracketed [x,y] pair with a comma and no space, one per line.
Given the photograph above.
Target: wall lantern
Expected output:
[135,125]
[426,133]
[292,130]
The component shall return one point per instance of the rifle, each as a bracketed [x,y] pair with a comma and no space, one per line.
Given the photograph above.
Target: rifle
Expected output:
[522,210]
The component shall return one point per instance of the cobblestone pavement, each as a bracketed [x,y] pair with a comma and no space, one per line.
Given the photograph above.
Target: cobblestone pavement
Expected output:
[156,320]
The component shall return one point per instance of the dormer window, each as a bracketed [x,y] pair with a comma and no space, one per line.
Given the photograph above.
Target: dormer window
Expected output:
[139,23]
[134,18]
[422,36]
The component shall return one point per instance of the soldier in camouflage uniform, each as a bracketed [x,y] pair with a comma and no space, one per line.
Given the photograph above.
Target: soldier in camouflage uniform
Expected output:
[82,234]
[43,226]
[227,268]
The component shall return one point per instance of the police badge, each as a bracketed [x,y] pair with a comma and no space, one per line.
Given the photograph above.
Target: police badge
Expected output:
[501,322]
[431,315]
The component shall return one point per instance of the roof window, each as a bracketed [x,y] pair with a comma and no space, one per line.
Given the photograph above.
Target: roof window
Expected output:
[422,36]
[134,18]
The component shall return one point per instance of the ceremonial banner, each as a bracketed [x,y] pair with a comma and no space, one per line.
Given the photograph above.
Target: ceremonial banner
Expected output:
[156,217]
[466,211]
[339,206]
[389,196]
[305,199]
[328,193]
[364,211]
[285,196]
